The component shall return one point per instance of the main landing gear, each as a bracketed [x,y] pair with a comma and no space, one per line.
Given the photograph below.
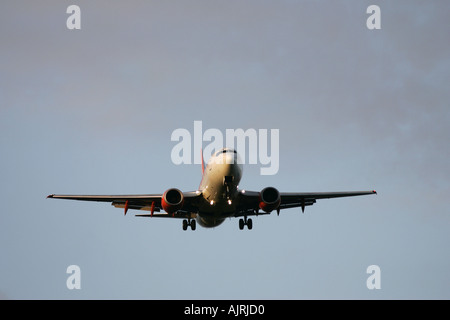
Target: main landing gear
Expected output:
[245,222]
[191,223]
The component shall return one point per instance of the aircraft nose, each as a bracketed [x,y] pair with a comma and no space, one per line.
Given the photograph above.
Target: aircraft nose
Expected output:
[226,158]
[229,158]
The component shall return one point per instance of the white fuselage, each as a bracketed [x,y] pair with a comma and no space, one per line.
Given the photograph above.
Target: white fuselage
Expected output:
[219,187]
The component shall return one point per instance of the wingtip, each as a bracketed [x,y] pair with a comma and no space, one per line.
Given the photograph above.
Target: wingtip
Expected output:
[373,191]
[50,196]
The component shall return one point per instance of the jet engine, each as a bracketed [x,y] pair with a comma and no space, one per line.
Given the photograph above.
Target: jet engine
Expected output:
[172,200]
[269,199]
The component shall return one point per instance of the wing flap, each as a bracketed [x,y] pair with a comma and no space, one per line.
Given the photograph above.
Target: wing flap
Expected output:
[121,204]
[179,215]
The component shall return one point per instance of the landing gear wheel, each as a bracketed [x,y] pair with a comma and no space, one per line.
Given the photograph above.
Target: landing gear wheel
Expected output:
[190,223]
[245,222]
[241,224]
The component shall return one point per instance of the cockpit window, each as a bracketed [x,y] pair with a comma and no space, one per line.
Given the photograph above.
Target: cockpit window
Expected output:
[228,150]
[225,151]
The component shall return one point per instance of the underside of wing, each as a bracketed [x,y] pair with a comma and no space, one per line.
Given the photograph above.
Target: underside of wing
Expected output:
[293,200]
[147,202]
[250,202]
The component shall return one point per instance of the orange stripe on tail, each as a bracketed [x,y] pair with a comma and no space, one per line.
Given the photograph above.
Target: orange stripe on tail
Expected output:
[203,164]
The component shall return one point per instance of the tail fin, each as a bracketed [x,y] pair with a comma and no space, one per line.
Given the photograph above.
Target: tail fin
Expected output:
[203,164]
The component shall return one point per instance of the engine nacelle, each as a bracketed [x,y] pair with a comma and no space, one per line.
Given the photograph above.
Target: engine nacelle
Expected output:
[172,200]
[269,199]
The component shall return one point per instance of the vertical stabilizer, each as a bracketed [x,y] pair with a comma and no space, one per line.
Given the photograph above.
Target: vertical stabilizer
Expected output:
[203,164]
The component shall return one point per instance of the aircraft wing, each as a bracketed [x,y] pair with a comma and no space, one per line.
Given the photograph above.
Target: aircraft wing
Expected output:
[147,202]
[249,200]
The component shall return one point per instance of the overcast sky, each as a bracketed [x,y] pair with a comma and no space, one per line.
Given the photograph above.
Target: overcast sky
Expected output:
[92,111]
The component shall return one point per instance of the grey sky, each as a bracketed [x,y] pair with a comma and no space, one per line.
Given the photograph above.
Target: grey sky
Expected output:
[92,111]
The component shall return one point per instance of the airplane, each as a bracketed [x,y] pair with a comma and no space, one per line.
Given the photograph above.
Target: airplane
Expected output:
[217,198]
